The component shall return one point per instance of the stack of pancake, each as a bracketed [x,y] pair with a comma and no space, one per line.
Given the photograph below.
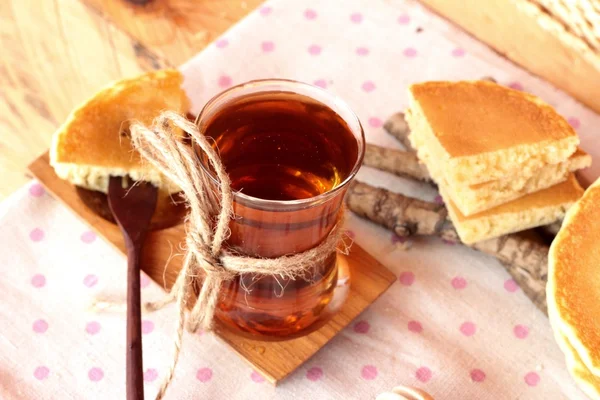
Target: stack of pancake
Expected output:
[573,290]
[503,159]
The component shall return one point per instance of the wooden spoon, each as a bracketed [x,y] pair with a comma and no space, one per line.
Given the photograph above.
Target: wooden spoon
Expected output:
[132,206]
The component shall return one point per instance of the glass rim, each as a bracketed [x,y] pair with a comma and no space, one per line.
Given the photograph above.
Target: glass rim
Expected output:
[332,99]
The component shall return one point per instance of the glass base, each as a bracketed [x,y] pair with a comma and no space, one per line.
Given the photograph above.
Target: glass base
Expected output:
[290,313]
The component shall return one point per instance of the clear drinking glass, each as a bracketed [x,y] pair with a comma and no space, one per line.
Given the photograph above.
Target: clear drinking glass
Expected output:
[291,150]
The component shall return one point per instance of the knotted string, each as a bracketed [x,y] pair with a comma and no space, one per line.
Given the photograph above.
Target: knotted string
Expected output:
[206,255]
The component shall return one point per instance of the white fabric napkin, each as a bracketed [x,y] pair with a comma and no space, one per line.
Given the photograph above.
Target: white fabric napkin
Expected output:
[454,324]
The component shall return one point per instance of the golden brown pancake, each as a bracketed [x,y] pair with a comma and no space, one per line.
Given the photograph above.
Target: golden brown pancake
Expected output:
[588,382]
[472,199]
[574,278]
[535,209]
[480,131]
[94,142]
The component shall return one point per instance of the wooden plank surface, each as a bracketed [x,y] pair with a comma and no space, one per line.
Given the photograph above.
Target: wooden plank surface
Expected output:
[552,50]
[56,53]
[173,29]
[274,360]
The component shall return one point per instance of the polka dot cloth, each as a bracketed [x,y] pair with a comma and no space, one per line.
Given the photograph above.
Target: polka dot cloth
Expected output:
[454,323]
[204,375]
[314,374]
[256,377]
[150,375]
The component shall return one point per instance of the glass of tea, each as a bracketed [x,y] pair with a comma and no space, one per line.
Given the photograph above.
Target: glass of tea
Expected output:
[290,150]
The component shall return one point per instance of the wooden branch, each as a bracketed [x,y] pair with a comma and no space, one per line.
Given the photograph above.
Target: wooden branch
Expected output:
[550,231]
[525,259]
[397,127]
[534,287]
[403,215]
[398,162]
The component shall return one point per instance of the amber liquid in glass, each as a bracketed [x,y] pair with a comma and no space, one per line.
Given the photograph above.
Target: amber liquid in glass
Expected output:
[281,146]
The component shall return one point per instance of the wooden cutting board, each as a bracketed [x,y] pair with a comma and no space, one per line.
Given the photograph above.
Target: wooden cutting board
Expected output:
[274,360]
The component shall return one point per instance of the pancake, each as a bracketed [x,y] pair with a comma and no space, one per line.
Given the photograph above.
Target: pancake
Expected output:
[536,209]
[94,142]
[574,278]
[480,131]
[531,210]
[588,382]
[471,199]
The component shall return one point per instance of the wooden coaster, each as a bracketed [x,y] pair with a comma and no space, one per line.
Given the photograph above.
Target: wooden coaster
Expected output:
[274,360]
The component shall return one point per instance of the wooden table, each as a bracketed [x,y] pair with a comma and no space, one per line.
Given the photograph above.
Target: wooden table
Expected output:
[56,53]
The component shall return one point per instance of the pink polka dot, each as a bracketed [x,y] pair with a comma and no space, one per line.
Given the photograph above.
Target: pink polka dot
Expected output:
[224,81]
[267,46]
[36,190]
[320,83]
[222,43]
[40,326]
[477,375]
[41,373]
[38,280]
[438,200]
[510,285]
[398,239]
[407,278]
[362,327]
[147,326]
[88,237]
[36,234]
[410,52]
[404,19]
[362,51]
[369,372]
[264,11]
[575,123]
[90,280]
[356,18]
[415,326]
[521,331]
[515,85]
[350,234]
[468,328]
[144,280]
[458,52]
[375,122]
[310,13]
[368,86]
[314,374]
[532,378]
[95,374]
[256,377]
[150,375]
[92,327]
[458,282]
[314,50]
[423,374]
[204,374]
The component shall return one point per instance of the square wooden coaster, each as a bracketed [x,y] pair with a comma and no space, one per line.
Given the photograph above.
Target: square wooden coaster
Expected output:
[274,360]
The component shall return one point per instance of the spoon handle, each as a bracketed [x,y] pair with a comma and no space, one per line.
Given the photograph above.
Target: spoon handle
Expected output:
[132,205]
[134,369]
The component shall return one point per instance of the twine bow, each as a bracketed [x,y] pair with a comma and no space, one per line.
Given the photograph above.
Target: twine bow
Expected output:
[204,238]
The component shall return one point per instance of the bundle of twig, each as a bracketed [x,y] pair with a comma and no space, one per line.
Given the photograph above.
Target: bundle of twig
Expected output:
[525,258]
